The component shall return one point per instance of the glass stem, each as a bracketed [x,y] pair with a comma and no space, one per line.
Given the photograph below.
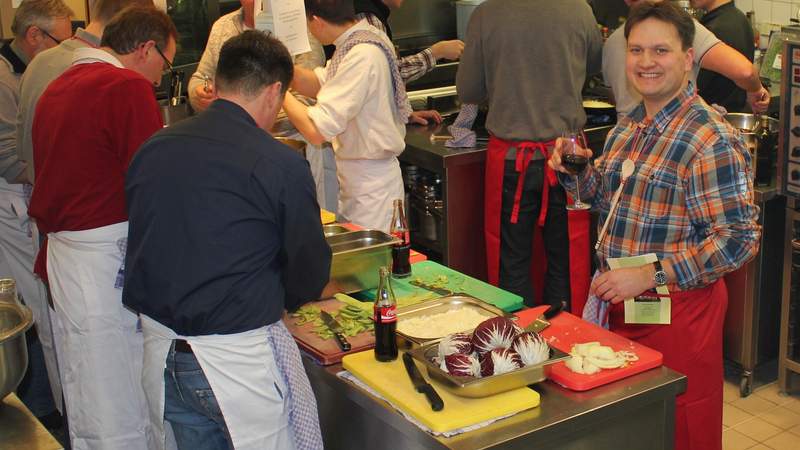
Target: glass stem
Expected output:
[577,191]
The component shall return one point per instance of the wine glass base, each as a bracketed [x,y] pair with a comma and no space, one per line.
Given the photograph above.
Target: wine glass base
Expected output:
[578,207]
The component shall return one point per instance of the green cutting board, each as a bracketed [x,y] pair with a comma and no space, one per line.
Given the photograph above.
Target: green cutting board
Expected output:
[430,272]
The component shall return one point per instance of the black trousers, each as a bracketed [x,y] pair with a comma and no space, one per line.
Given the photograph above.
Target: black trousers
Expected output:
[516,240]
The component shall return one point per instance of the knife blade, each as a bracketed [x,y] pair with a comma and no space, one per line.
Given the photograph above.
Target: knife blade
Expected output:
[331,323]
[422,386]
[428,287]
[543,321]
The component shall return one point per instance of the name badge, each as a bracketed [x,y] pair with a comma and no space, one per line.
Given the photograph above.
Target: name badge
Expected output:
[650,308]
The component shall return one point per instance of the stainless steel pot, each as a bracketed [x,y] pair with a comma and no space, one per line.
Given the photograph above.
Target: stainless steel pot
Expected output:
[748,125]
[15,319]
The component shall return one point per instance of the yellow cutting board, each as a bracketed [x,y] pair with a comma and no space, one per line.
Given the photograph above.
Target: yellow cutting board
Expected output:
[391,381]
[327,216]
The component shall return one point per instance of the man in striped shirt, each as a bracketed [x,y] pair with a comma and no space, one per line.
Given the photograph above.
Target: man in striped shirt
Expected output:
[689,201]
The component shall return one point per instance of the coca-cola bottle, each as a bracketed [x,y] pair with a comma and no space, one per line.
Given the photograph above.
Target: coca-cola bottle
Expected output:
[385,319]
[401,252]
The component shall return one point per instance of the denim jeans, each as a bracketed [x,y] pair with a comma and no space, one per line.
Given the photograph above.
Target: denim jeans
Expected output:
[191,407]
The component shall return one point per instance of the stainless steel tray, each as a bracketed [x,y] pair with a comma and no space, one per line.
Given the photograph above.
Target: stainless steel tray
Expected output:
[440,305]
[357,256]
[333,229]
[486,386]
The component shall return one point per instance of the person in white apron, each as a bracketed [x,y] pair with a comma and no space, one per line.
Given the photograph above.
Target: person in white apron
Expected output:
[79,203]
[216,252]
[37,26]
[362,108]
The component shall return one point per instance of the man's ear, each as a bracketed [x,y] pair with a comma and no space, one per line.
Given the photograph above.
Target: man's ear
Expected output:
[144,49]
[33,35]
[689,63]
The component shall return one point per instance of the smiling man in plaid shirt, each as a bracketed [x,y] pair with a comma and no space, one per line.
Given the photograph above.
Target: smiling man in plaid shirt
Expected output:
[689,201]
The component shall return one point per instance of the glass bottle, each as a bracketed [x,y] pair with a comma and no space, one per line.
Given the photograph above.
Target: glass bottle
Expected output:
[385,319]
[401,252]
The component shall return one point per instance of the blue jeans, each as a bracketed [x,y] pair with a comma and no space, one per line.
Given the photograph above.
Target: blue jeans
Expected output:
[191,407]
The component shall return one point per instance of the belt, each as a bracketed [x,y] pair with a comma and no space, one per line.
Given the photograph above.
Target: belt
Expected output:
[182,346]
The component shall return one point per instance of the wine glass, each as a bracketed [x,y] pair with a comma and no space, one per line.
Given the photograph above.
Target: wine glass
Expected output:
[574,162]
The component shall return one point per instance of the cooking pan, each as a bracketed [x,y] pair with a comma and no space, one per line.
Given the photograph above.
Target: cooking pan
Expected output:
[598,107]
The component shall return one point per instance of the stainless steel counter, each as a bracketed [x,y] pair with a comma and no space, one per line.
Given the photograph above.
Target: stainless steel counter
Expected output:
[633,413]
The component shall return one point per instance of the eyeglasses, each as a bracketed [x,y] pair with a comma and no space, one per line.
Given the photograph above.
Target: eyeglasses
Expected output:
[57,41]
[168,63]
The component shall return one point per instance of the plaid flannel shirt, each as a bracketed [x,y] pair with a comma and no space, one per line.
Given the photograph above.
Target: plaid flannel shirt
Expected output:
[412,66]
[690,198]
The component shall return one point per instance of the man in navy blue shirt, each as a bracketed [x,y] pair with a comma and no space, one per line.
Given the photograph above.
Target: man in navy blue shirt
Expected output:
[224,235]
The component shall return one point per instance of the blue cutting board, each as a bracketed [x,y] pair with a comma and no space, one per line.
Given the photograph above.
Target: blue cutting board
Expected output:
[430,272]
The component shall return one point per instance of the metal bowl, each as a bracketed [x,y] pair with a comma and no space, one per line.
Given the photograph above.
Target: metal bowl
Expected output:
[295,144]
[15,319]
[747,124]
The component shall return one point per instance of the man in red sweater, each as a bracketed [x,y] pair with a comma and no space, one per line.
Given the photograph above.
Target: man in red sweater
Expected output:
[88,124]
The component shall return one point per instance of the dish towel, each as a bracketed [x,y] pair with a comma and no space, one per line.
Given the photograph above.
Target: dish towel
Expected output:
[461,129]
[596,310]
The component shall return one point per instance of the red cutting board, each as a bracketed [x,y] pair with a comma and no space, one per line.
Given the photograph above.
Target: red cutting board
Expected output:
[326,351]
[566,330]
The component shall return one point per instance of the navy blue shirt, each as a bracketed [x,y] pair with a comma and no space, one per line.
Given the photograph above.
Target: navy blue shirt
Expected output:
[225,228]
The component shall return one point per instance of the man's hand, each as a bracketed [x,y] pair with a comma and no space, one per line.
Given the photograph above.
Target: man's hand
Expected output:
[758,100]
[422,117]
[555,156]
[447,50]
[617,285]
[203,97]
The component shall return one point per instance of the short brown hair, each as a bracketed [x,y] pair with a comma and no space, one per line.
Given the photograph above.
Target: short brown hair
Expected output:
[104,10]
[136,25]
[665,12]
[337,12]
[39,13]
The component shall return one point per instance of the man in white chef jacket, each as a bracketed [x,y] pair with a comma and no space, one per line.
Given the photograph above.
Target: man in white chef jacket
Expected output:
[362,108]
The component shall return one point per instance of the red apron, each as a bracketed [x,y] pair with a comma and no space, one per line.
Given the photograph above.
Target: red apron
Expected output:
[691,345]
[578,221]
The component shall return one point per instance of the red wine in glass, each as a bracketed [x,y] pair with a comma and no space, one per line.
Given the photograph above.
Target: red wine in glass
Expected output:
[574,163]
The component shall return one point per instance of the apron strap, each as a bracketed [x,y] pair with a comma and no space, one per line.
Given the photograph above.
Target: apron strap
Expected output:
[525,151]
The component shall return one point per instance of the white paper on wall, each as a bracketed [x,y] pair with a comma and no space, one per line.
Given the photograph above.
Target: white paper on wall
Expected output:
[290,25]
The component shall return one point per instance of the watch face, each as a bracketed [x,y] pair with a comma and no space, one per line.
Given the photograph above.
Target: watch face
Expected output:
[660,278]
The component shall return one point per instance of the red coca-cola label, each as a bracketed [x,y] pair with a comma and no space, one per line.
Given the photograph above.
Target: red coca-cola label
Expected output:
[385,314]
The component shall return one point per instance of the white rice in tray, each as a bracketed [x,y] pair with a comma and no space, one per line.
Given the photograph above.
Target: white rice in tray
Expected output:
[441,324]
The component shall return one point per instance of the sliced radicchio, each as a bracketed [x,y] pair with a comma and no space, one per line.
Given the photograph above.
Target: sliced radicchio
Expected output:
[455,343]
[499,360]
[531,347]
[497,332]
[462,365]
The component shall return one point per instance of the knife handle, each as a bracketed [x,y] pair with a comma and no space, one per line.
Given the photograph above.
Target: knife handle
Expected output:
[433,398]
[343,344]
[553,310]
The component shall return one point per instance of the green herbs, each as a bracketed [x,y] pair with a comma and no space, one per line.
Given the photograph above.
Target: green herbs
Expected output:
[353,320]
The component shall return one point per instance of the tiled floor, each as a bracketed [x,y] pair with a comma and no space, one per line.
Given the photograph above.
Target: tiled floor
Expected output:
[763,420]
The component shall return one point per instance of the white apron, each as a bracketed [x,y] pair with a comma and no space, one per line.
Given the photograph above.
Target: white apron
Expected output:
[100,349]
[242,373]
[368,188]
[17,254]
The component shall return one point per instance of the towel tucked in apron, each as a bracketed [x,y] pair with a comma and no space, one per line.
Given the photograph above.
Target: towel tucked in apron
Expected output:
[247,373]
[99,350]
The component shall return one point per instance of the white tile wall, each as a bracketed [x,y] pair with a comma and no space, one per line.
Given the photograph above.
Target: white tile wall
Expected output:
[772,11]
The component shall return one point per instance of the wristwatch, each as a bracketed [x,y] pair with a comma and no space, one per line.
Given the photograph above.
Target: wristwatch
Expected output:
[660,277]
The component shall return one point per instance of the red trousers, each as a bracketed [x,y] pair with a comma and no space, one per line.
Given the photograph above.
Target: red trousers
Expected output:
[691,345]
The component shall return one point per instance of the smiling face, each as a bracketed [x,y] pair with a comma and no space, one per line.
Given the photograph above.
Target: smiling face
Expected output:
[656,65]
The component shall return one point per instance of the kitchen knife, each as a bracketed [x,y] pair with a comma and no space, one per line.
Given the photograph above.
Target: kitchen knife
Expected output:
[542,322]
[331,323]
[438,290]
[422,386]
